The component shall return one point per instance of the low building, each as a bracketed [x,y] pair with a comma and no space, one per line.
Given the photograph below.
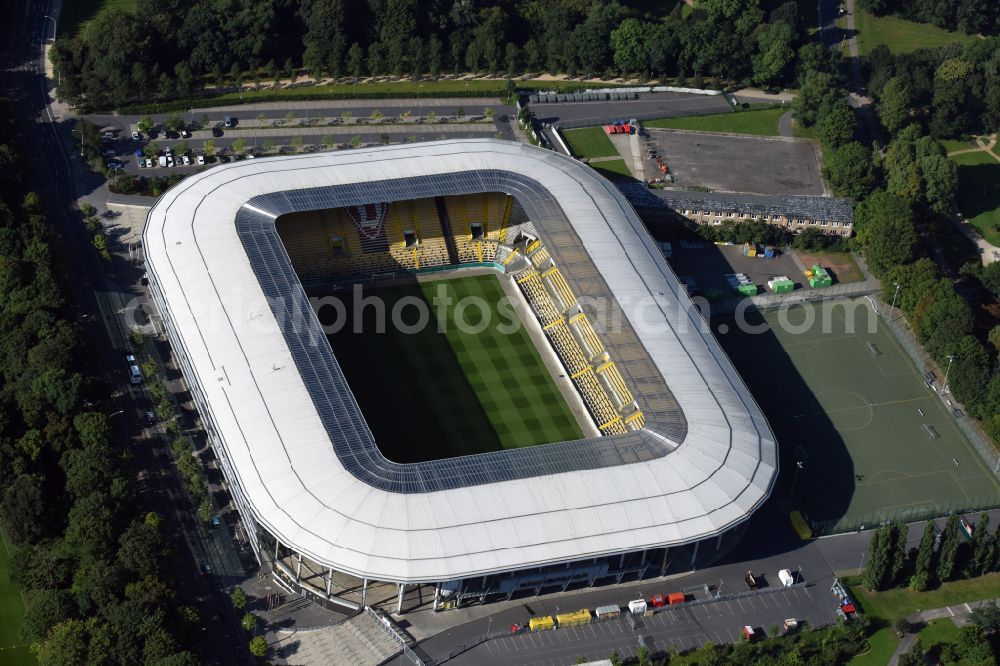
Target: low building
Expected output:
[831,215]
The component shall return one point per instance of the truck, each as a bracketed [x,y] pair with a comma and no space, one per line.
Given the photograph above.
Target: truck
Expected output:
[751,581]
[786,577]
[637,606]
[163,160]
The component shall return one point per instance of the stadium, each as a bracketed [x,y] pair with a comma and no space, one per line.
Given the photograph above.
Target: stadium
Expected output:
[606,437]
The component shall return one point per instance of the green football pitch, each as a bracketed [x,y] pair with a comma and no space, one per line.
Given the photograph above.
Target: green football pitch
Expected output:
[460,385]
[876,437]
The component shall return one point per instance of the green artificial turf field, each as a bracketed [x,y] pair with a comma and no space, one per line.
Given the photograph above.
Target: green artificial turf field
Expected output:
[860,416]
[429,394]
[12,651]
[589,142]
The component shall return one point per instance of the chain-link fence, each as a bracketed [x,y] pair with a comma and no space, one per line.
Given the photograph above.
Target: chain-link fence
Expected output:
[980,441]
[896,322]
[872,520]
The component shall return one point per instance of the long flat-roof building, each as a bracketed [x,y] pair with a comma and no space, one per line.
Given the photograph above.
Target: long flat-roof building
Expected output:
[680,456]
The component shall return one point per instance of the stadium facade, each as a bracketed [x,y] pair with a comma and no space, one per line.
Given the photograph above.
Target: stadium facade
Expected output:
[684,455]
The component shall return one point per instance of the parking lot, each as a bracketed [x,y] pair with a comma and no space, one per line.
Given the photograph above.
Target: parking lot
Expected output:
[269,129]
[737,163]
[685,627]
[708,266]
[645,106]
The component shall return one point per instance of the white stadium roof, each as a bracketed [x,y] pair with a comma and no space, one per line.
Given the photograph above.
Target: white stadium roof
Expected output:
[339,504]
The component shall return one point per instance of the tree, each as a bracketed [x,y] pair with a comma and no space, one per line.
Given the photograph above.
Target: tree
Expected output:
[239,598]
[895,104]
[298,142]
[65,644]
[886,230]
[948,552]
[512,58]
[145,124]
[973,645]
[355,60]
[940,177]
[346,116]
[384,139]
[837,125]
[774,43]
[249,621]
[209,147]
[923,569]
[914,656]
[850,170]
[239,146]
[258,646]
[376,115]
[174,121]
[24,512]
[817,91]
[90,525]
[876,575]
[45,609]
[356,141]
[897,535]
[141,548]
[628,44]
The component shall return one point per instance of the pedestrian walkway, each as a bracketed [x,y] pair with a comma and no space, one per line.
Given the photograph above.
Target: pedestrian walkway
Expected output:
[959,614]
[358,640]
[983,148]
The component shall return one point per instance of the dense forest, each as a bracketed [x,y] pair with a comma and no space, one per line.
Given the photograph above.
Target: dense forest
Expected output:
[170,48]
[97,574]
[970,16]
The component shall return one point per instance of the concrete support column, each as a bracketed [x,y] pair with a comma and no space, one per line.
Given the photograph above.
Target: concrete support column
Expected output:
[718,543]
[277,544]
[298,569]
[329,580]
[399,598]
[437,595]
[694,555]
[663,568]
[364,592]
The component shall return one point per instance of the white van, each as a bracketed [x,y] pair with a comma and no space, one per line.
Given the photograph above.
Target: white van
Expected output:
[134,373]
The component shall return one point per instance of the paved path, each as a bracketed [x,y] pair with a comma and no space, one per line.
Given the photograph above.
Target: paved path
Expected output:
[988,148]
[958,614]
[785,125]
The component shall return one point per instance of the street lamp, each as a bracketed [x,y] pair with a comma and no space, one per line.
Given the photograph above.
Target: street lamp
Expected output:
[799,466]
[945,390]
[114,414]
[893,300]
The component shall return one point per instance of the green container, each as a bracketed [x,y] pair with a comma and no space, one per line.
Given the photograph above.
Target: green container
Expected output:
[747,289]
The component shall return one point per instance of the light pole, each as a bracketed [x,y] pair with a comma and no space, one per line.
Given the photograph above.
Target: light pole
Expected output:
[114,414]
[862,565]
[944,391]
[893,300]
[799,466]
[54,25]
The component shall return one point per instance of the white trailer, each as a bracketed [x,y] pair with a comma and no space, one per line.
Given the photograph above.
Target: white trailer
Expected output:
[786,577]
[637,606]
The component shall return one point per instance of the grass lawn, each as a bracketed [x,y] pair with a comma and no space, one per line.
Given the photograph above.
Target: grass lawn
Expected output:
[900,35]
[901,602]
[75,14]
[589,142]
[979,192]
[428,394]
[841,265]
[882,645]
[938,631]
[859,413]
[763,122]
[612,169]
[11,615]
[953,144]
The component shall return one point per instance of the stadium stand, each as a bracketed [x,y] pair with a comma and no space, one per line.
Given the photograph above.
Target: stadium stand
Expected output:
[414,235]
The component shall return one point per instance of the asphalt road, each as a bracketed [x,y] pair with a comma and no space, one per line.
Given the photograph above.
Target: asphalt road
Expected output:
[647,105]
[54,177]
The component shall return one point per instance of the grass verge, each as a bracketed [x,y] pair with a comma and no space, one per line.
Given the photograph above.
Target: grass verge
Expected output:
[881,646]
[589,142]
[762,122]
[902,602]
[612,169]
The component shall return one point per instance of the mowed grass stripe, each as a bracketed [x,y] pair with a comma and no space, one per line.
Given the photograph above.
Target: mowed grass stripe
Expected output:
[428,395]
[505,371]
[11,617]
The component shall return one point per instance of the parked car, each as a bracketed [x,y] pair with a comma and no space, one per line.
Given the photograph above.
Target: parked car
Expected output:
[186,160]
[149,162]
[185,134]
[206,567]
[216,522]
[217,131]
[200,159]
[250,156]
[170,161]
[136,136]
[150,417]
[230,121]
[141,163]
[134,373]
